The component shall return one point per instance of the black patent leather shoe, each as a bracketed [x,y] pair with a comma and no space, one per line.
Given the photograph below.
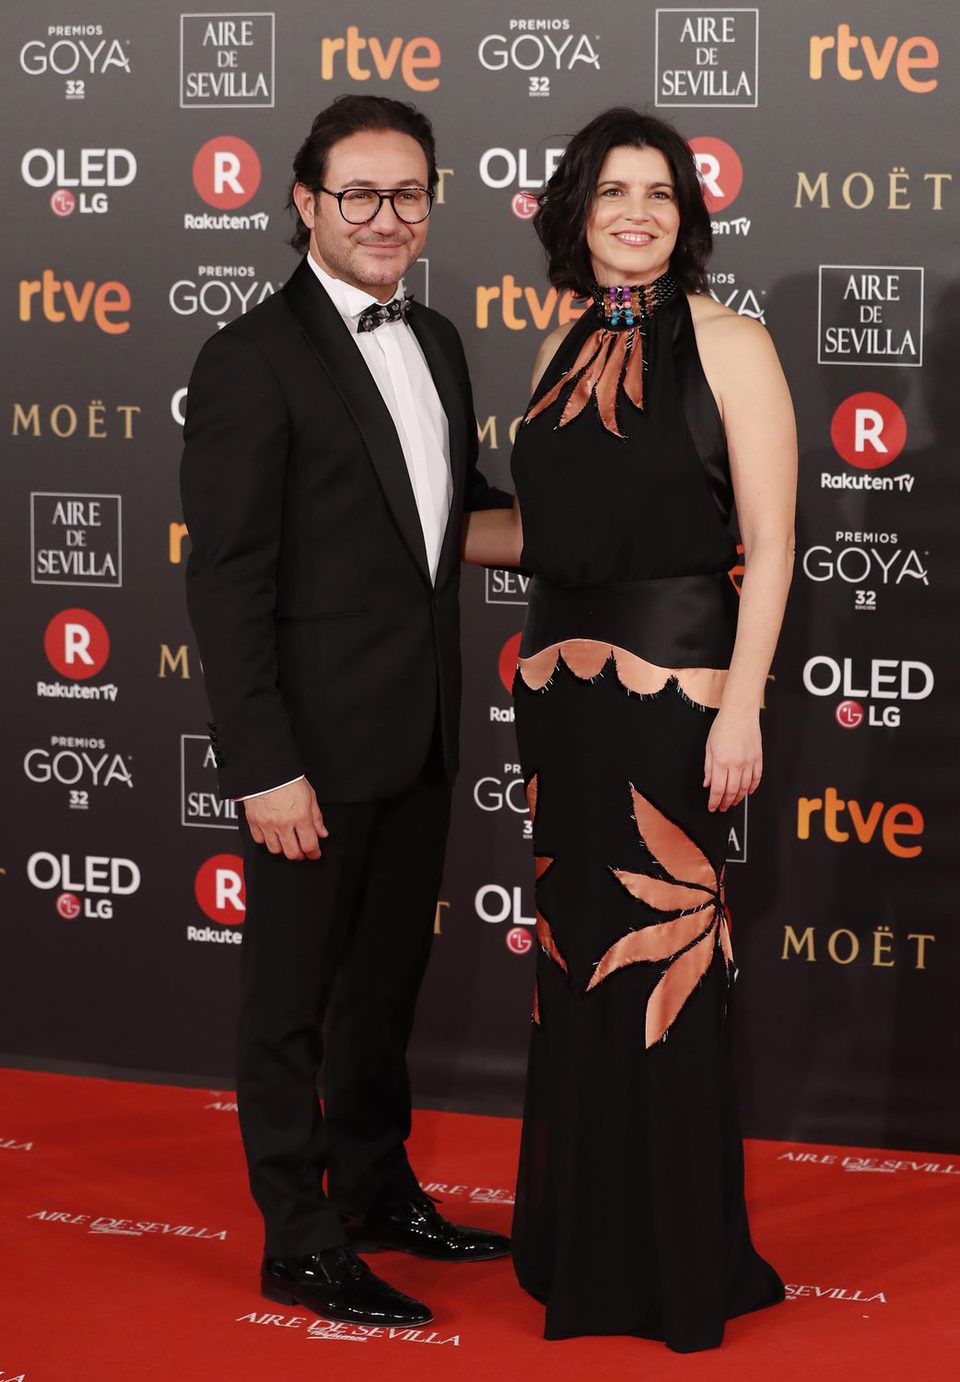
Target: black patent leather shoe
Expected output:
[339,1286]
[417,1226]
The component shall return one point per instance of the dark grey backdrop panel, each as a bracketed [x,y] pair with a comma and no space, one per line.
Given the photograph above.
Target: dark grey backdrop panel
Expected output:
[131,236]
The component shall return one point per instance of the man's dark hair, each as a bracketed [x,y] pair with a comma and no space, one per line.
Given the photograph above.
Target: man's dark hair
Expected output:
[568,199]
[350,115]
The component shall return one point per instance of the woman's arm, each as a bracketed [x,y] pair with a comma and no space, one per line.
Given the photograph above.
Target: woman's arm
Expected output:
[742,367]
[495,537]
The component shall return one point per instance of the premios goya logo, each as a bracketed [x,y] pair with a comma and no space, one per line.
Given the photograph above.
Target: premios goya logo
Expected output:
[219,292]
[542,49]
[867,562]
[77,55]
[86,885]
[227,60]
[707,56]
[80,765]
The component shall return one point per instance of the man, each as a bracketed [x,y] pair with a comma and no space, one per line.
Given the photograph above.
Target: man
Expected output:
[330,455]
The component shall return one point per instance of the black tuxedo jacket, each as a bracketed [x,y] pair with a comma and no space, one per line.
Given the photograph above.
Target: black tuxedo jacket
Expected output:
[326,648]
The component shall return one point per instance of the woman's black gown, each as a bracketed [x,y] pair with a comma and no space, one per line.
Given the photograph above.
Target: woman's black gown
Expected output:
[630,1215]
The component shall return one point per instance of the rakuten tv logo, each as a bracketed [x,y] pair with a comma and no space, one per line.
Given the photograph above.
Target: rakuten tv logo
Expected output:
[720,170]
[221,896]
[226,172]
[77,644]
[412,56]
[868,431]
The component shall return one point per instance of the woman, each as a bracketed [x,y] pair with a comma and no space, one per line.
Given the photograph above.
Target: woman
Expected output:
[637,710]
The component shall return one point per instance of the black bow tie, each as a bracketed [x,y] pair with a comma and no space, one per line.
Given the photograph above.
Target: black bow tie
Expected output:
[378,313]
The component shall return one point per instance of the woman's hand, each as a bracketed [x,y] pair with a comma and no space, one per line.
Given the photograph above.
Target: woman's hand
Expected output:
[733,764]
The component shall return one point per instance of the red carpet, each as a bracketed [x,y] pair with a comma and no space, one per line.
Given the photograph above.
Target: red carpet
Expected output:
[130,1251]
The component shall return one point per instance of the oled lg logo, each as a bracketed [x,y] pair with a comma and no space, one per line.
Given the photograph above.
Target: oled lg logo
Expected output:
[90,171]
[88,883]
[500,168]
[226,174]
[884,680]
[868,431]
[496,904]
[721,178]
[221,896]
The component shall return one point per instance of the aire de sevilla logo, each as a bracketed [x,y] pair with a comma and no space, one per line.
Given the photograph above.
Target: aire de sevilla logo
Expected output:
[226,172]
[720,171]
[868,430]
[77,644]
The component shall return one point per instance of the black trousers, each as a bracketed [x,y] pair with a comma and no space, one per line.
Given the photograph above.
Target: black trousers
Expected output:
[334,952]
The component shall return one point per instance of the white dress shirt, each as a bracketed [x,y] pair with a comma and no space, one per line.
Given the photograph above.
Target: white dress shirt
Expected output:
[393,356]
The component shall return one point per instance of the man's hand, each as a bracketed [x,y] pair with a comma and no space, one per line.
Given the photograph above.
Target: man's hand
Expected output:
[287,820]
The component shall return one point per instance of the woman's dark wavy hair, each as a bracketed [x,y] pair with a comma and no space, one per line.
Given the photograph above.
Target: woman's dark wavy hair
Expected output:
[350,115]
[568,199]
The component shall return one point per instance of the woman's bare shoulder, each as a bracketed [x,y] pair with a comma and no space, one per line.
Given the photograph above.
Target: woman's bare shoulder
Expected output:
[713,318]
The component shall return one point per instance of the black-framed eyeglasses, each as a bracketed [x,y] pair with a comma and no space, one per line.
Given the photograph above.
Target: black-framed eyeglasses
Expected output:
[361,204]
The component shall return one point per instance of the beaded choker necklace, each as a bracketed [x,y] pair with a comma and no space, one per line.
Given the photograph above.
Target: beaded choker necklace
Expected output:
[611,358]
[623,306]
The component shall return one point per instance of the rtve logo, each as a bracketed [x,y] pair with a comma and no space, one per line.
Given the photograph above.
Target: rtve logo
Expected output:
[904,58]
[868,430]
[512,297]
[226,172]
[107,301]
[412,54]
[77,644]
[831,812]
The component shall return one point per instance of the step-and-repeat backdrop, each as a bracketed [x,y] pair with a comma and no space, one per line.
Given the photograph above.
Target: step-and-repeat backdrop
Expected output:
[146,156]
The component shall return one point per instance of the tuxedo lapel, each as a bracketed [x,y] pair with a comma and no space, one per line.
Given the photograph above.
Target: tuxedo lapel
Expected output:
[451,398]
[330,341]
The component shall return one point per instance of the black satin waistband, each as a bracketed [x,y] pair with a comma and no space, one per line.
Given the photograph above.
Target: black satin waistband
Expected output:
[676,621]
